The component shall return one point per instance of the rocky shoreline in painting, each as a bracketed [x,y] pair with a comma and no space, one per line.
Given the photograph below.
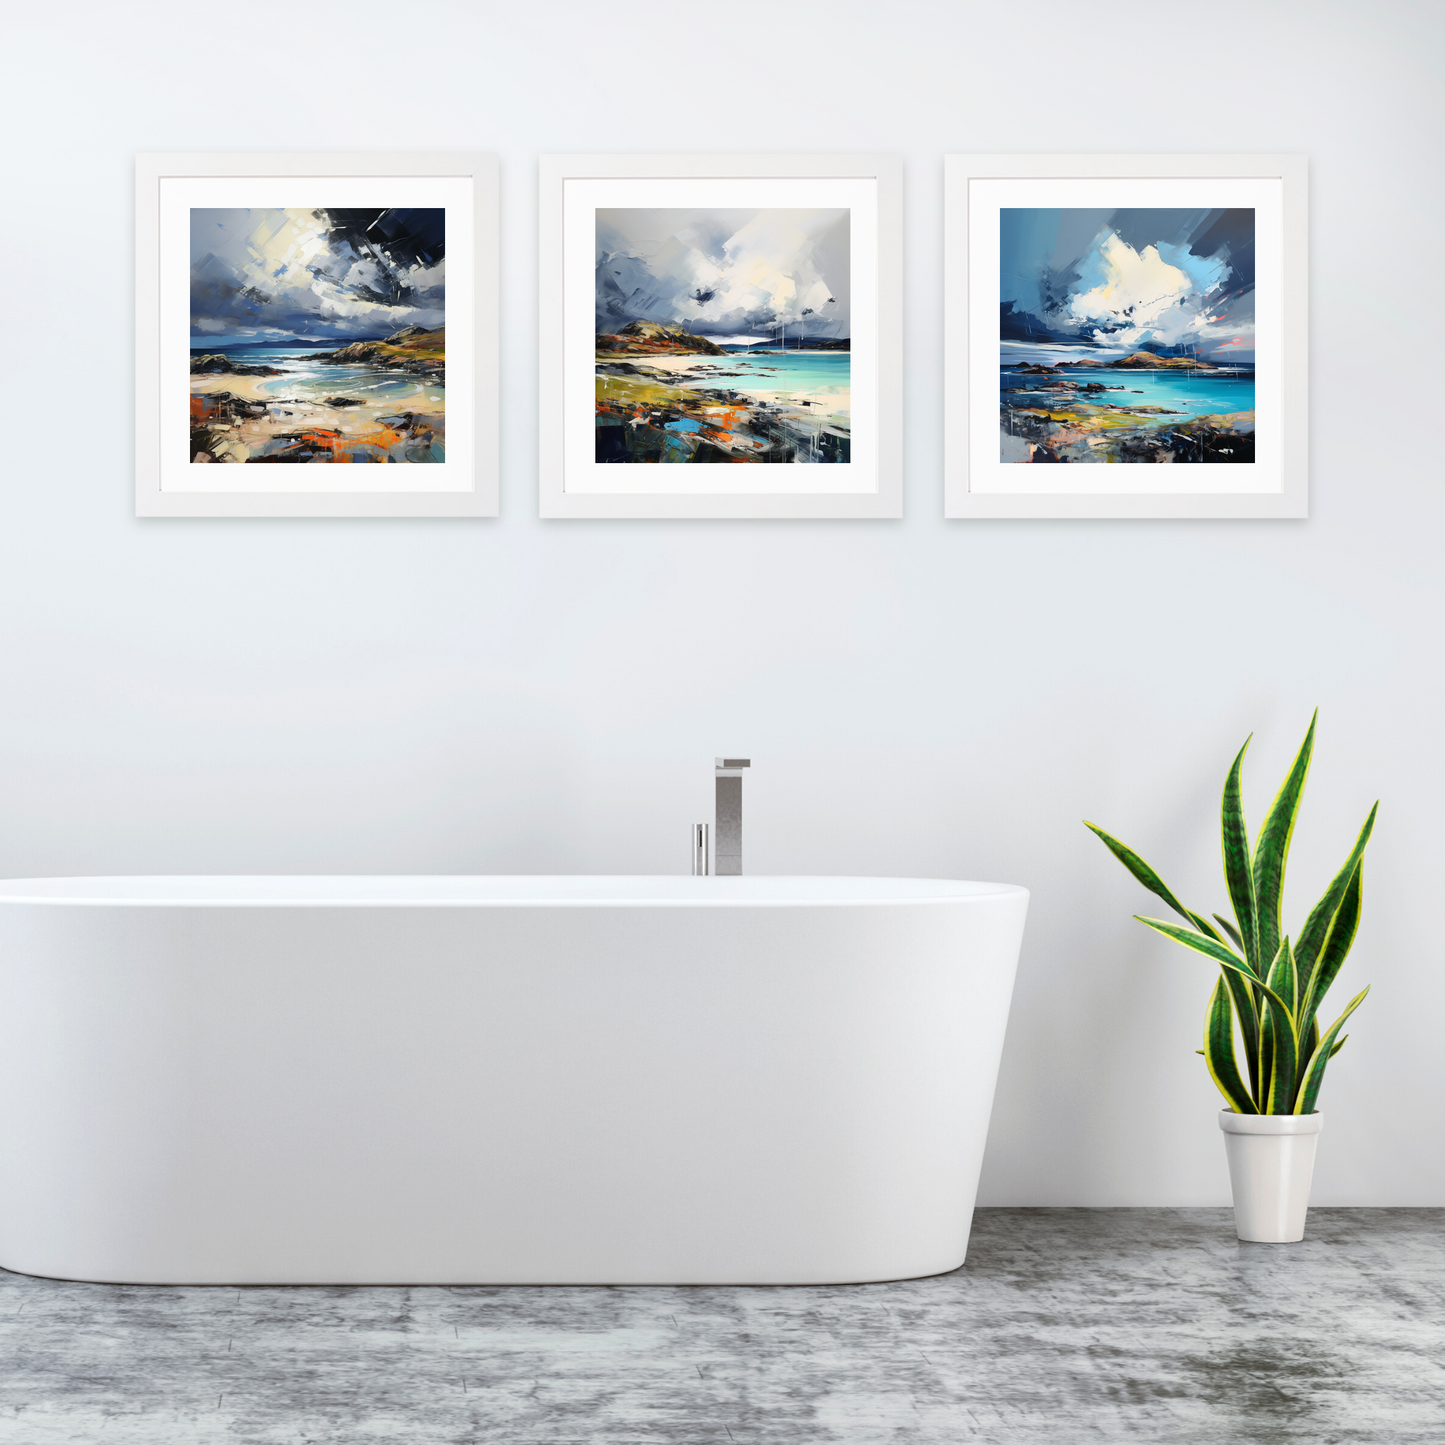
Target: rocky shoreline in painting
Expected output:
[245,423]
[231,428]
[1066,420]
[218,363]
[684,412]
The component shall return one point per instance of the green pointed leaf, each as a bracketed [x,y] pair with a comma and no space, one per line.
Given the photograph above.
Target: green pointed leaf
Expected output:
[1209,947]
[1141,871]
[1219,1051]
[1246,1008]
[1279,1037]
[1283,976]
[1339,1044]
[1313,1074]
[1266,1034]
[1271,850]
[1231,930]
[1322,915]
[1238,872]
[1266,1056]
[1333,948]
[1205,927]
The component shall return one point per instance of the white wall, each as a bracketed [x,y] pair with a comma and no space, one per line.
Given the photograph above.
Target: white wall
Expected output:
[918,697]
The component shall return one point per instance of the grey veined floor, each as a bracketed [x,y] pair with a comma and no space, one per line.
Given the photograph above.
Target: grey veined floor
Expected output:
[1065,1325]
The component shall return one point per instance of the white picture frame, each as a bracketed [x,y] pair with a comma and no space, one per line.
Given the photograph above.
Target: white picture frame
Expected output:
[979,483]
[169,483]
[572,482]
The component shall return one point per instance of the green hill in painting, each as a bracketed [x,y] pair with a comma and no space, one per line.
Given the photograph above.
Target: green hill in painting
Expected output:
[650,338]
[410,349]
[1148,361]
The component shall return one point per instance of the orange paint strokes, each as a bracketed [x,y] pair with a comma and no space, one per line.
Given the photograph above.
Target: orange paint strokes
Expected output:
[318,439]
[721,425]
[725,420]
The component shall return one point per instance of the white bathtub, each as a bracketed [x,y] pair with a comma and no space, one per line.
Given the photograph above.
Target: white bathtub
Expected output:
[497,1080]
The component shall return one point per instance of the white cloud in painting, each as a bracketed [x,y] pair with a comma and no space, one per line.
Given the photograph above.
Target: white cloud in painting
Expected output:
[1162,293]
[734,271]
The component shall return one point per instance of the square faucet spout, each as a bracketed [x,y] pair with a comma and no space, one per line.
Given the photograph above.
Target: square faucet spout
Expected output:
[728,819]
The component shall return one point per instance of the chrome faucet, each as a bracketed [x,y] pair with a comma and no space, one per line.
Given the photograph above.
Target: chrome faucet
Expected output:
[728,815]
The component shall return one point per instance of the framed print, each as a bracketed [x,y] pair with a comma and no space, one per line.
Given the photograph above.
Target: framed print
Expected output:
[1105,315]
[333,311]
[720,336]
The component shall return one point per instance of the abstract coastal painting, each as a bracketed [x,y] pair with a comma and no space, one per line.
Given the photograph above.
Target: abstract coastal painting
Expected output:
[723,336]
[726,336]
[318,335]
[325,321]
[1110,316]
[1126,335]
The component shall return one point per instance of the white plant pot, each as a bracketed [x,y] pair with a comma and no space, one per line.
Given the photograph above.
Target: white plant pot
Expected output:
[1271,1163]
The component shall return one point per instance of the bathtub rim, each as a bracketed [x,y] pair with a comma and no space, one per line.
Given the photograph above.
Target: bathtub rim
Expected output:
[495,890]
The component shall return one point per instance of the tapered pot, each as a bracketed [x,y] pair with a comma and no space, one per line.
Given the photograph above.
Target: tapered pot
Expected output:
[1271,1164]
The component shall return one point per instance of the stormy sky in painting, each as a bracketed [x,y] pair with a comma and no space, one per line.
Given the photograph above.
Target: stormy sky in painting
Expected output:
[1174,282]
[325,274]
[725,273]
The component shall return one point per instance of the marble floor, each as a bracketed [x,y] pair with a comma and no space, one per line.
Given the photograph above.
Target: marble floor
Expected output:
[1065,1325]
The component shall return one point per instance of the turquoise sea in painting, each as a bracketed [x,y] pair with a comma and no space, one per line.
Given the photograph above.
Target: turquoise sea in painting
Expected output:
[311,379]
[1183,393]
[789,368]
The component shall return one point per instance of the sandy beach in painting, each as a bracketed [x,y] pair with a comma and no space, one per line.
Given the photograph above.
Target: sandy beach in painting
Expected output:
[370,402]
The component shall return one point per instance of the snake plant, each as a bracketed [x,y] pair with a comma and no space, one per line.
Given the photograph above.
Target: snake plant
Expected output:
[1270,988]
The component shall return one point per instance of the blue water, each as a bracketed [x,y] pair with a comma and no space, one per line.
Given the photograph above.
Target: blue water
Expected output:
[1194,394]
[308,380]
[777,370]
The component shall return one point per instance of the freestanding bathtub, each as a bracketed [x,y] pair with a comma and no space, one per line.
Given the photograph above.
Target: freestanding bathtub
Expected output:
[497,1080]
